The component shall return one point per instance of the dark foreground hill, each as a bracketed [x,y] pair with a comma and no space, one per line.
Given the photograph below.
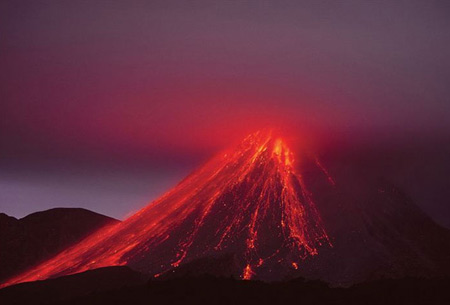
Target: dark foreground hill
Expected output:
[121,285]
[63,289]
[41,235]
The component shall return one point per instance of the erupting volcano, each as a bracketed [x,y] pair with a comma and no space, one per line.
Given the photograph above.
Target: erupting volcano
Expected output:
[249,202]
[255,212]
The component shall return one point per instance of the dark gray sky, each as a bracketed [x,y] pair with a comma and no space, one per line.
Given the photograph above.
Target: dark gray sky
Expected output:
[105,104]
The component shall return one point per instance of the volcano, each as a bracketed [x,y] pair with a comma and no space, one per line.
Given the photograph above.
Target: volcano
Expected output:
[262,214]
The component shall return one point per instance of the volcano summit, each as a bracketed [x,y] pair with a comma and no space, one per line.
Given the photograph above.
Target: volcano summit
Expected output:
[252,208]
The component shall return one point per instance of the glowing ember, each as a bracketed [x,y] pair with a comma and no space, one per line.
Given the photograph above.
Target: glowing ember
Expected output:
[249,201]
[247,275]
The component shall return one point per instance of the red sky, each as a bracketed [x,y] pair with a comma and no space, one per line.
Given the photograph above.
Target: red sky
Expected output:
[171,83]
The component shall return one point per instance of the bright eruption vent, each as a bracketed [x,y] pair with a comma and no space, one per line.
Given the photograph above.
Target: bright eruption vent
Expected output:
[248,202]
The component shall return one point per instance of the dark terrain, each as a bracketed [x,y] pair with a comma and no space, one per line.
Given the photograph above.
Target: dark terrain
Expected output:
[27,241]
[121,285]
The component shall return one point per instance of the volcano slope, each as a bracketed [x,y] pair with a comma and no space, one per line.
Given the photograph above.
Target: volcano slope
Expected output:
[264,215]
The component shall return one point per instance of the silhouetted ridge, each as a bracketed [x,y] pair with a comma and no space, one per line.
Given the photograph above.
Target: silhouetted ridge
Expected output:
[41,235]
[120,285]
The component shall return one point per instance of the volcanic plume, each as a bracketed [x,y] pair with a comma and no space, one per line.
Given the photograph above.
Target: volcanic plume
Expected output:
[248,202]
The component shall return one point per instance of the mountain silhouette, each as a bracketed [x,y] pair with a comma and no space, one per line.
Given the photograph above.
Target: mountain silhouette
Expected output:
[37,237]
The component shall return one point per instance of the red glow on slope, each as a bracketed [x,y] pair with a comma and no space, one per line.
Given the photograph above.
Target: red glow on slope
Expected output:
[247,275]
[325,171]
[249,201]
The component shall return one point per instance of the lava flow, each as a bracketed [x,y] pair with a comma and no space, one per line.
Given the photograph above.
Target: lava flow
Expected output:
[248,202]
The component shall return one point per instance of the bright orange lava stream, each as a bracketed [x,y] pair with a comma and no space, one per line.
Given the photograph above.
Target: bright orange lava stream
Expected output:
[248,201]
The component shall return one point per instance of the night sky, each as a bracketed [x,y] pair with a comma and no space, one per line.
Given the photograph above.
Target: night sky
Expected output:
[107,104]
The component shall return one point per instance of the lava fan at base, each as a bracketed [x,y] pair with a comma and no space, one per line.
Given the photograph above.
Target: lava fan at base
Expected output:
[249,203]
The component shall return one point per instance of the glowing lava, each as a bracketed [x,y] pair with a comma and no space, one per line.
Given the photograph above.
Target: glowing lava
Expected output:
[249,202]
